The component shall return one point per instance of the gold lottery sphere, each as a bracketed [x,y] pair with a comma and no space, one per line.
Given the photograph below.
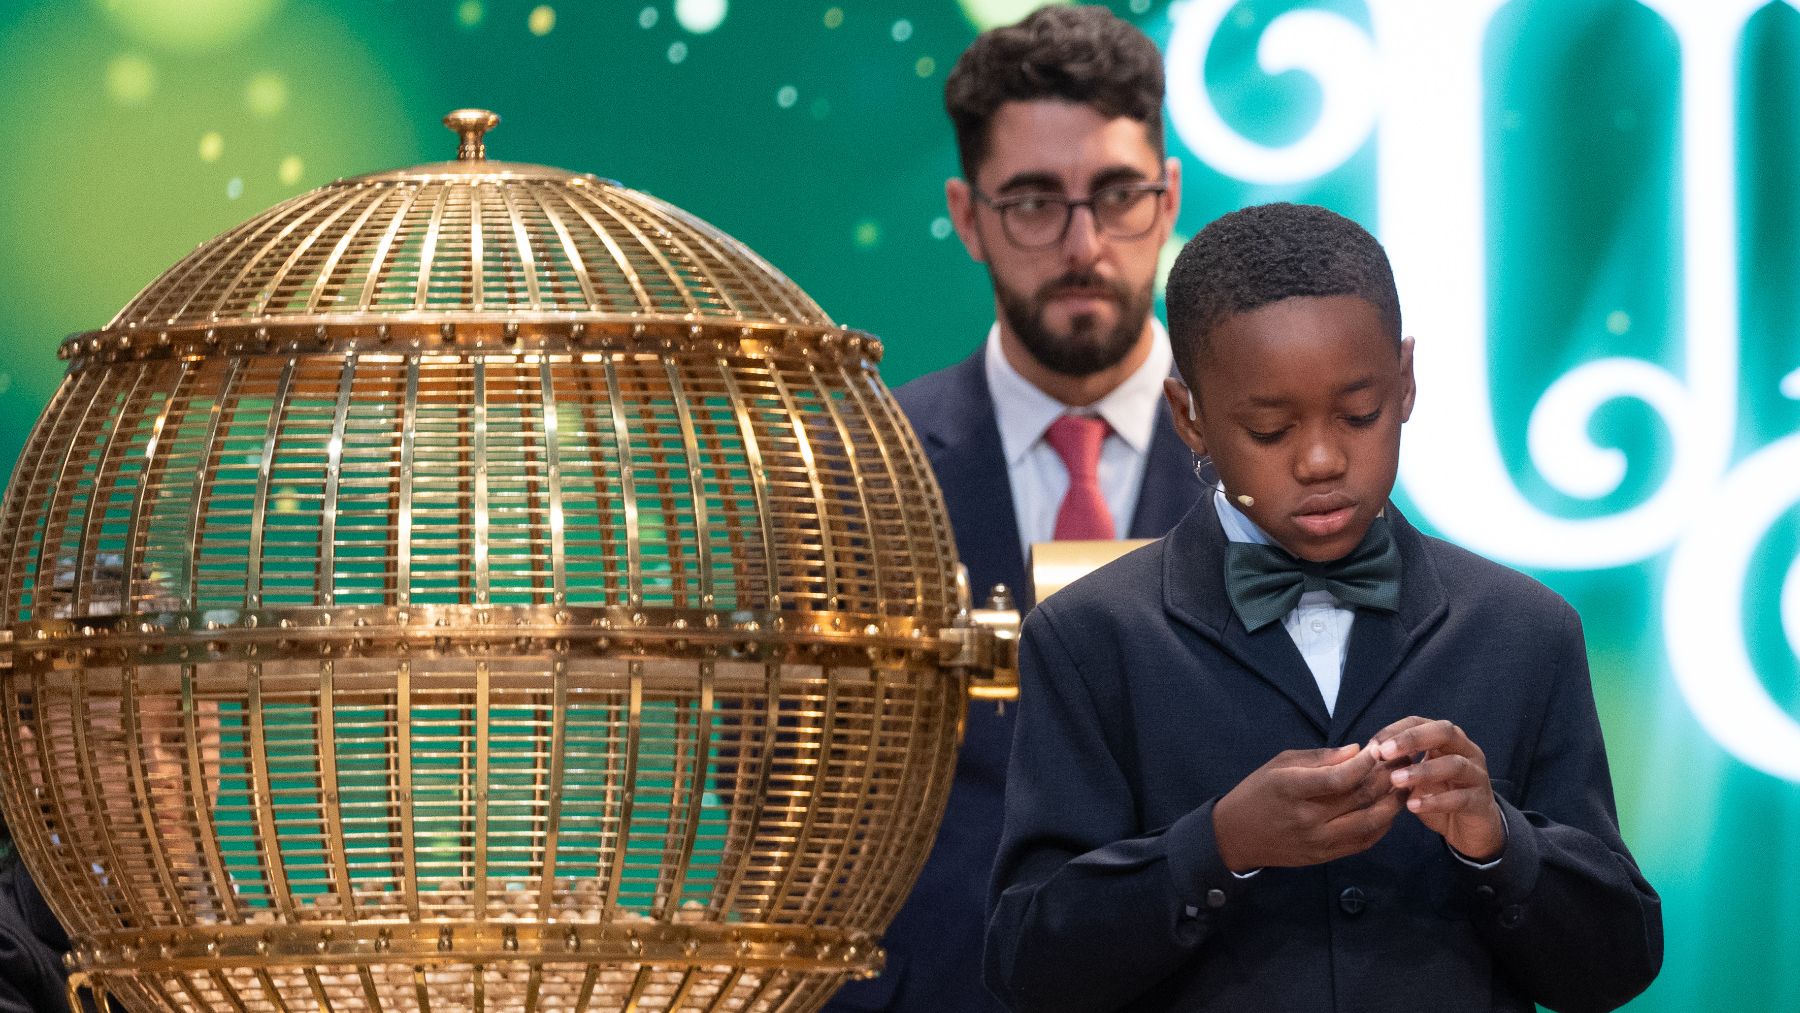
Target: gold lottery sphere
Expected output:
[477,586]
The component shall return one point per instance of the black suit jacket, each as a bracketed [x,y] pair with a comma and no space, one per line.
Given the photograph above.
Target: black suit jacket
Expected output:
[32,979]
[934,944]
[1144,700]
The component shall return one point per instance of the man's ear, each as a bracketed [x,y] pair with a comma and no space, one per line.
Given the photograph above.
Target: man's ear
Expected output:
[1410,390]
[962,215]
[1184,411]
[1171,198]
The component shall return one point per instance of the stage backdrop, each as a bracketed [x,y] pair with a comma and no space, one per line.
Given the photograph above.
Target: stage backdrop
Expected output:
[1593,207]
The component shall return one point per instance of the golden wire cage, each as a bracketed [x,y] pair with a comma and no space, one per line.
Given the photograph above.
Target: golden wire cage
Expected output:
[476,586]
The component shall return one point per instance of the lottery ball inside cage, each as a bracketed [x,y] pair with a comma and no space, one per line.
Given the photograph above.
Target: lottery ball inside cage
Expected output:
[477,586]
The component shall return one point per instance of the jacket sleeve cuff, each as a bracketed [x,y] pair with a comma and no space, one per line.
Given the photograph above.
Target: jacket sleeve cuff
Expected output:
[1501,889]
[1205,888]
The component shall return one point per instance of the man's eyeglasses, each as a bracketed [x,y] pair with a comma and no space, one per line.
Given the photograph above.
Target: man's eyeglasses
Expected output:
[1034,221]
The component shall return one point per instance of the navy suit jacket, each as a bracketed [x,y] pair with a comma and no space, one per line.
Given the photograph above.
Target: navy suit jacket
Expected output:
[32,979]
[1144,700]
[934,944]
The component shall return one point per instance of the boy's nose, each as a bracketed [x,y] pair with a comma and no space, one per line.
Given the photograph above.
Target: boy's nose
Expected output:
[1319,459]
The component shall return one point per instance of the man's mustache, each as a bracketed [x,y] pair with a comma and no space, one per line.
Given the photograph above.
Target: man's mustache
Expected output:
[1082,282]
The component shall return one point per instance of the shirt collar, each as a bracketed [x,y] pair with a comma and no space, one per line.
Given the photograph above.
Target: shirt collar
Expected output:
[1023,411]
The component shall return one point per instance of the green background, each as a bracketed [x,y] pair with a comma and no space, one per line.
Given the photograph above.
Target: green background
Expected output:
[813,131]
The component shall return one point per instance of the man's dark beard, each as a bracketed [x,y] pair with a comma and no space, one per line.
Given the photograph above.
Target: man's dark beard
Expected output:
[1084,351]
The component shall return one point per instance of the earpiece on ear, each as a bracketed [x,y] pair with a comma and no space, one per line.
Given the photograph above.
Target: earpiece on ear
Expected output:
[1193,414]
[1247,500]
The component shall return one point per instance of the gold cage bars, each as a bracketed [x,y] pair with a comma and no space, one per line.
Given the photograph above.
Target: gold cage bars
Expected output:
[476,587]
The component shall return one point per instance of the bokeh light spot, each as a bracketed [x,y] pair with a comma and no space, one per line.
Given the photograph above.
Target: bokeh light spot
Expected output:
[677,51]
[469,13]
[1789,386]
[902,30]
[290,170]
[266,95]
[986,14]
[190,26]
[234,188]
[212,145]
[834,17]
[542,20]
[925,67]
[700,16]
[130,80]
[1140,6]
[867,234]
[1618,322]
[940,228]
[647,18]
[5,382]
[1244,17]
[787,96]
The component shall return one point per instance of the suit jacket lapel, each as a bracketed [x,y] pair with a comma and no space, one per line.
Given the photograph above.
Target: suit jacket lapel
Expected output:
[1169,486]
[1380,641]
[962,441]
[1194,594]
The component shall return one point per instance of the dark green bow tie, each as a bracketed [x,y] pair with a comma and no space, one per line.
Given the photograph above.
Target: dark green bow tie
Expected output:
[1265,582]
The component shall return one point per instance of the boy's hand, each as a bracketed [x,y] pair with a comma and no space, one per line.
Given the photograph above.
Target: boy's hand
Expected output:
[1304,807]
[1447,787]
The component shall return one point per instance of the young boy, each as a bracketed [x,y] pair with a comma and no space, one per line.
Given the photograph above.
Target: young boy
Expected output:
[1297,755]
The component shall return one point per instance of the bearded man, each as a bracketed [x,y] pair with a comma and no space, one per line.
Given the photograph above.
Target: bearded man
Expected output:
[1056,426]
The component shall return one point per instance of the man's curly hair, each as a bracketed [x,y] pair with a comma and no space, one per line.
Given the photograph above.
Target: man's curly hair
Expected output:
[1084,55]
[1260,255]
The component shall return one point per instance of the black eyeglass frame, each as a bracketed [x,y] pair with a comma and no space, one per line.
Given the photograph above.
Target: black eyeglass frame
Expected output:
[1002,205]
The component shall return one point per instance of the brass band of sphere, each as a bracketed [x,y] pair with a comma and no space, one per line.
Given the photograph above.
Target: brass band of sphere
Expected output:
[486,333]
[831,639]
[690,944]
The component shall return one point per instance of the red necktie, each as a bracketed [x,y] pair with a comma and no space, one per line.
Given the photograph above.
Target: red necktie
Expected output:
[1083,514]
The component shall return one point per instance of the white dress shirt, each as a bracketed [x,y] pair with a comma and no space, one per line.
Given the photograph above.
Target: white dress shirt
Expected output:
[1034,469]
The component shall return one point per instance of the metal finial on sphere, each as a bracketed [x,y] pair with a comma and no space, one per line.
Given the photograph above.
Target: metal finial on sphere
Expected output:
[477,586]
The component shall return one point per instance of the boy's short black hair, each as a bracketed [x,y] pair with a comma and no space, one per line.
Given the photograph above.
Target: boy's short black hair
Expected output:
[1084,55]
[1264,254]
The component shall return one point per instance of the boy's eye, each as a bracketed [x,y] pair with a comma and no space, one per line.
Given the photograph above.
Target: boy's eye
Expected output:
[1364,421]
[1266,437]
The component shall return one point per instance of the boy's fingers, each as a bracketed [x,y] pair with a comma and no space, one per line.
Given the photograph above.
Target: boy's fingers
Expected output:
[1315,757]
[1350,770]
[1471,800]
[1451,770]
[1425,737]
[1366,825]
[1396,728]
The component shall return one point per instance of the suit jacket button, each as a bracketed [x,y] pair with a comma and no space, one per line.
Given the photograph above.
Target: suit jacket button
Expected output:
[1352,901]
[1215,898]
[1485,892]
[1511,916]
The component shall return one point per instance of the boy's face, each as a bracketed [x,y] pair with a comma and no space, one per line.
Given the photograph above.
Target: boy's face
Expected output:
[1300,406]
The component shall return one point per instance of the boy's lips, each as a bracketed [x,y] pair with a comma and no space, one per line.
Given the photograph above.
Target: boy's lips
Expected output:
[1324,525]
[1324,516]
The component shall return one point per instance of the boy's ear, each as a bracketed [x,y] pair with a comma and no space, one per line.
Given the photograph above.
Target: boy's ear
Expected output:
[962,216]
[1410,390]
[1184,411]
